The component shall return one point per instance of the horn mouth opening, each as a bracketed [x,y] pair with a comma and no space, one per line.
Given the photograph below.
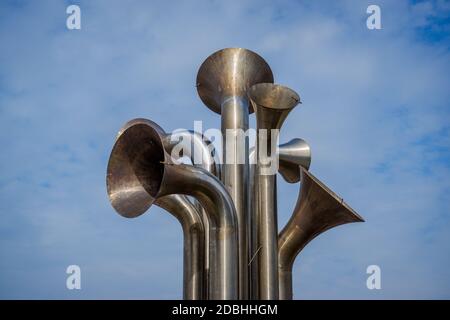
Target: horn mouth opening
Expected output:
[136,168]
[230,72]
[351,216]
[273,96]
[294,154]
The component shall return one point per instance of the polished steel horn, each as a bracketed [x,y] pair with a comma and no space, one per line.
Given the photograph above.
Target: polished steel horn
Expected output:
[291,155]
[272,104]
[141,172]
[201,152]
[222,83]
[193,233]
[317,210]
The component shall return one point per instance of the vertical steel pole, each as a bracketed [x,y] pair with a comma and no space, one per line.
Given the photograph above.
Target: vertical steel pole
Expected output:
[235,174]
[222,83]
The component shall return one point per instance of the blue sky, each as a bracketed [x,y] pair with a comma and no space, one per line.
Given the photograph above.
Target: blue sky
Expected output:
[376,111]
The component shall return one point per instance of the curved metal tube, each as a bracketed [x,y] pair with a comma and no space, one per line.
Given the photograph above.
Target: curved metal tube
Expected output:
[317,210]
[209,191]
[140,173]
[291,155]
[195,144]
[194,236]
[197,147]
[222,82]
[272,103]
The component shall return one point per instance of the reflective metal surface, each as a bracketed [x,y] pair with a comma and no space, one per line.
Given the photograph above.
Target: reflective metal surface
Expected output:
[200,150]
[229,73]
[197,147]
[202,154]
[140,173]
[290,155]
[272,103]
[293,154]
[194,236]
[222,82]
[317,210]
[229,227]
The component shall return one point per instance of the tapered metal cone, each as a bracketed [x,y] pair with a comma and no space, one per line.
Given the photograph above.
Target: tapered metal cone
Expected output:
[229,73]
[136,167]
[292,155]
[272,103]
[318,209]
[134,179]
[140,174]
[222,83]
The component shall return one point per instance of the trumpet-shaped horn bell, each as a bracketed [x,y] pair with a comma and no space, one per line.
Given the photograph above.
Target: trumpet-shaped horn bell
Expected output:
[136,167]
[134,177]
[317,210]
[230,72]
[272,103]
[292,155]
[140,174]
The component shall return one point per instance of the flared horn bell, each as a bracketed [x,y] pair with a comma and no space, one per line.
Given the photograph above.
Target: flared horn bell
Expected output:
[137,200]
[222,83]
[318,209]
[292,155]
[136,167]
[229,73]
[140,173]
[272,103]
